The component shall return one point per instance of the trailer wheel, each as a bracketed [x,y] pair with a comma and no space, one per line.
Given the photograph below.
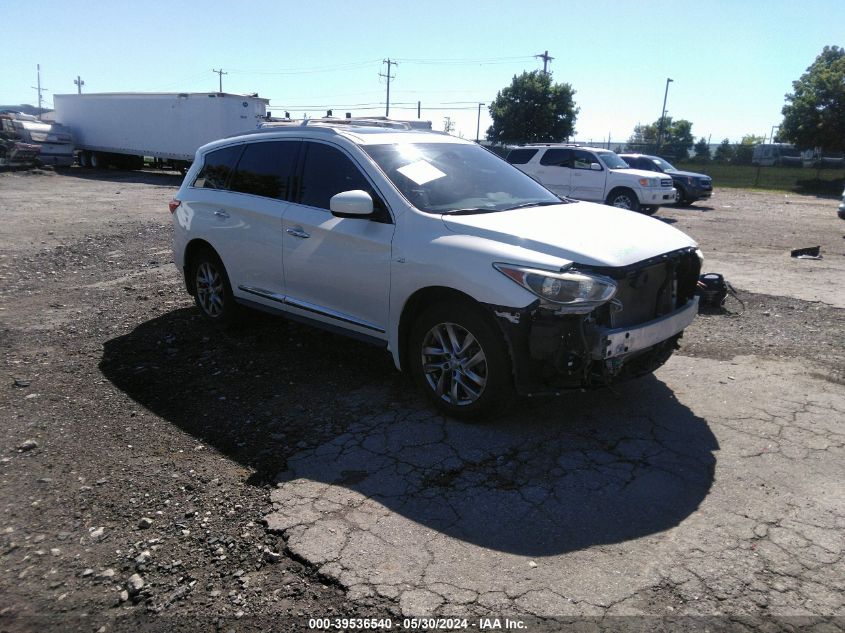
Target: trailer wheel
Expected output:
[97,161]
[84,159]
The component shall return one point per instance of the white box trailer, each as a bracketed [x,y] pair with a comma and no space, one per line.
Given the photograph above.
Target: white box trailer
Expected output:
[122,128]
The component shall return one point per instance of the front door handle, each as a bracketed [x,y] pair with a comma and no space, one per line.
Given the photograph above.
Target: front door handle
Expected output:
[297,232]
[220,213]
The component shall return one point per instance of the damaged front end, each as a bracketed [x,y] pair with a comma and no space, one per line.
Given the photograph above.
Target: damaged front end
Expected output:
[593,325]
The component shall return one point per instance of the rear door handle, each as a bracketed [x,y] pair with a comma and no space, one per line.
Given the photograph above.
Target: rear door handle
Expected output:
[220,213]
[297,232]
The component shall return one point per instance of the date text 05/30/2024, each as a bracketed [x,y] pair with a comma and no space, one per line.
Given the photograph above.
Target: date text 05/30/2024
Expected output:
[415,624]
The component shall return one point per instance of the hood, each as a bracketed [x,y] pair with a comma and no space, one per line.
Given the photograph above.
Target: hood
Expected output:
[580,232]
[639,173]
[686,174]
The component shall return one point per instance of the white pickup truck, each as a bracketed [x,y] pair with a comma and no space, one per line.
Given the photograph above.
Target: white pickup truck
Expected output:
[597,175]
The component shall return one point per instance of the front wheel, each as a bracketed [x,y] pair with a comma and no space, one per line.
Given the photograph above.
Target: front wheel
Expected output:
[459,359]
[623,199]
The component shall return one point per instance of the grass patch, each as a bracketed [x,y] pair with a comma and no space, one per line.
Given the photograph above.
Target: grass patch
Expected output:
[797,179]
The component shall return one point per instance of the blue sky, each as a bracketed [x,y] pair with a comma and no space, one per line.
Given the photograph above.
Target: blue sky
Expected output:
[731,61]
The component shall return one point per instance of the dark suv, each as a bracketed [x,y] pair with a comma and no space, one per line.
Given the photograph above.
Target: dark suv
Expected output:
[690,186]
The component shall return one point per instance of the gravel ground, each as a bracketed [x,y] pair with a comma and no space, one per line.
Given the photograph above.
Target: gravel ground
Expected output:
[140,449]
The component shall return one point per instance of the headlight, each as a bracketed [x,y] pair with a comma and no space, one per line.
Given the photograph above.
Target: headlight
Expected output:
[564,289]
[649,182]
[700,257]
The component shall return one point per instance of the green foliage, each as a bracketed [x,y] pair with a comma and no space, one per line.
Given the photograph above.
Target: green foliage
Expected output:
[533,109]
[745,150]
[725,152]
[677,138]
[702,151]
[814,114]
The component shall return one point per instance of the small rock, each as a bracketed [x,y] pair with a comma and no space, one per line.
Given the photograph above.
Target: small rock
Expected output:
[239,614]
[27,445]
[145,523]
[124,596]
[532,564]
[97,533]
[143,558]
[56,551]
[21,383]
[134,584]
[271,556]
[107,573]
[87,572]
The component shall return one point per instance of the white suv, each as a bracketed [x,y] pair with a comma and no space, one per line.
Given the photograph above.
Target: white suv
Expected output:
[597,175]
[479,282]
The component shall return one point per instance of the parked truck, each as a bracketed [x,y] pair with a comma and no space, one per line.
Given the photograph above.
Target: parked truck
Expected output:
[121,129]
[16,148]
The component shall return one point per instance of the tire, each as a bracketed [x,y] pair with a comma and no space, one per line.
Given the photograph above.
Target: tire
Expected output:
[681,197]
[623,199]
[84,159]
[458,357]
[212,290]
[96,161]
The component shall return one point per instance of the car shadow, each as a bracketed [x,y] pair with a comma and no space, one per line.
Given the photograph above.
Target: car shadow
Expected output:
[295,405]
[141,177]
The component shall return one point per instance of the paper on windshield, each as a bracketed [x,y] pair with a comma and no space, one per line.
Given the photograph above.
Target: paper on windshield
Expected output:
[421,172]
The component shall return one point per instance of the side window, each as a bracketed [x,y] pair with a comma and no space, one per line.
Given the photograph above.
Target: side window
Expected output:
[557,158]
[265,169]
[217,167]
[521,156]
[583,160]
[328,171]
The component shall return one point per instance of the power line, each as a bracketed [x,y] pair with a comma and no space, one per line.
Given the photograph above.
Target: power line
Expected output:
[546,59]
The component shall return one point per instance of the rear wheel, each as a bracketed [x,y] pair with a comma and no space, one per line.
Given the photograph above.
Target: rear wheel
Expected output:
[459,360]
[623,199]
[212,291]
[96,161]
[84,159]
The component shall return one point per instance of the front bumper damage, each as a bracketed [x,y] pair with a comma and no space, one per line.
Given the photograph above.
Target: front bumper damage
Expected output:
[552,352]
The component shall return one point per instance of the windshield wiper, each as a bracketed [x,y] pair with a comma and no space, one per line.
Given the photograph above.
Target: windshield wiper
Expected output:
[544,203]
[471,211]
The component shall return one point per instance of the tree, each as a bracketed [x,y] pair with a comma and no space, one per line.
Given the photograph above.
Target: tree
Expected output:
[744,152]
[814,114]
[725,152]
[448,125]
[677,138]
[533,109]
[702,151]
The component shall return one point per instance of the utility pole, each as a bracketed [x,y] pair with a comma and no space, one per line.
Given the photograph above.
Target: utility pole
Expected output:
[39,89]
[220,73]
[79,83]
[419,109]
[546,59]
[478,123]
[389,63]
[663,115]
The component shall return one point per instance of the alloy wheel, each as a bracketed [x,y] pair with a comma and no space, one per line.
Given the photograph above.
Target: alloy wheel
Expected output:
[210,289]
[454,364]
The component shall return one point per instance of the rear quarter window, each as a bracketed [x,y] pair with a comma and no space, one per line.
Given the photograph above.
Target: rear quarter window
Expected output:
[217,168]
[265,169]
[521,156]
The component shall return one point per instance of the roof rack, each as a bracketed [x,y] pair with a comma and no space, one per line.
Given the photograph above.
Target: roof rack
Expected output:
[351,121]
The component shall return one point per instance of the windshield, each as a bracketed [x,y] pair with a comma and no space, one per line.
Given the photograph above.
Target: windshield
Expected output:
[457,178]
[662,164]
[611,160]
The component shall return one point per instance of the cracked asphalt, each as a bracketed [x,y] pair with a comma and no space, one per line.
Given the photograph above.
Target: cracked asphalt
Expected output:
[155,475]
[591,507]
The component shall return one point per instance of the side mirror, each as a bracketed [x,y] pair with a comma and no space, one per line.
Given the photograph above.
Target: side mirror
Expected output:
[351,204]
[595,167]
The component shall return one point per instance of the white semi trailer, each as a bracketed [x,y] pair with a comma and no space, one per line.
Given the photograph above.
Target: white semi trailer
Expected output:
[122,128]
